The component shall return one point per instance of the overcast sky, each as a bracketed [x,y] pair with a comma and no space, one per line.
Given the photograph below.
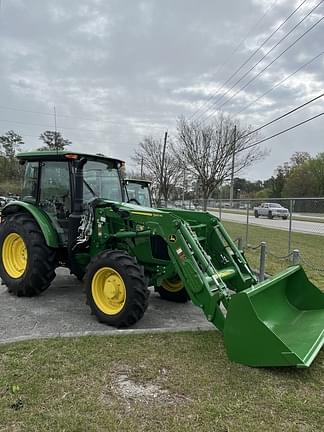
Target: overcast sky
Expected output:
[117,70]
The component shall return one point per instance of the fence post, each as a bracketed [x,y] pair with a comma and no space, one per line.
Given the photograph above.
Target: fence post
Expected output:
[220,209]
[247,223]
[240,243]
[263,253]
[290,224]
[296,257]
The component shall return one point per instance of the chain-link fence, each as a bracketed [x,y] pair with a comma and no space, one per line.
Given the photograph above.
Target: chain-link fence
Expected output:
[284,225]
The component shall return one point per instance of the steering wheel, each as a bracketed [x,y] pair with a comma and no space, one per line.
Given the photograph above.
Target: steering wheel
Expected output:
[134,200]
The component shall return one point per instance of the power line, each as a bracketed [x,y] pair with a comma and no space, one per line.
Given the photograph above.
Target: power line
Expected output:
[271,63]
[254,53]
[50,114]
[280,82]
[76,141]
[281,132]
[266,54]
[232,53]
[6,108]
[283,115]
[83,140]
[50,127]
[46,126]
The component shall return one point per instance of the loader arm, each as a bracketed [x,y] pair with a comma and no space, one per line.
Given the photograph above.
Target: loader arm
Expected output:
[204,271]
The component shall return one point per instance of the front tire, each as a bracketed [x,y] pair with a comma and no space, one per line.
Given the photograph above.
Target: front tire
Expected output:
[173,290]
[27,264]
[116,289]
[270,215]
[256,214]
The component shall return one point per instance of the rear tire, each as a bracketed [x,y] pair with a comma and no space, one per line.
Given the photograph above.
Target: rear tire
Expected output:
[27,264]
[173,290]
[284,217]
[270,215]
[256,214]
[116,288]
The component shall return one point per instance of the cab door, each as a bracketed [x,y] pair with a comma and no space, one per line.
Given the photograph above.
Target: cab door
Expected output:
[55,195]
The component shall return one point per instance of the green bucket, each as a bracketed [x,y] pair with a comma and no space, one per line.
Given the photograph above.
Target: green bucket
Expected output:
[278,322]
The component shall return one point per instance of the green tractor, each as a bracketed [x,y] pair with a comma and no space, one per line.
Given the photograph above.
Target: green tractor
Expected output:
[74,213]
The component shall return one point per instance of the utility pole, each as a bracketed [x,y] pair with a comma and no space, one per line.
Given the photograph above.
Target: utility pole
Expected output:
[162,163]
[142,163]
[183,188]
[233,167]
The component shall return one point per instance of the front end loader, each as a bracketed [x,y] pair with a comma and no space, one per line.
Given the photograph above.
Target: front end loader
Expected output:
[74,213]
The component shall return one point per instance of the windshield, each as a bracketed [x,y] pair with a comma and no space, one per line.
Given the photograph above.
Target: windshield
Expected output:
[274,205]
[140,193]
[101,180]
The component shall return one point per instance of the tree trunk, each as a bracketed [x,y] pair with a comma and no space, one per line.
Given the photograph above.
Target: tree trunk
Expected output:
[165,196]
[205,199]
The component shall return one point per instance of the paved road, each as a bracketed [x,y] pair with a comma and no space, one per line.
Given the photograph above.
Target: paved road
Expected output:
[297,226]
[61,311]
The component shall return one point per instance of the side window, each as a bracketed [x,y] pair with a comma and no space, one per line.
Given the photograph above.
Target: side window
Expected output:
[29,189]
[55,198]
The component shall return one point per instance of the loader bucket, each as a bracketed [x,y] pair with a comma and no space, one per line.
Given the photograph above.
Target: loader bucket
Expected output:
[278,322]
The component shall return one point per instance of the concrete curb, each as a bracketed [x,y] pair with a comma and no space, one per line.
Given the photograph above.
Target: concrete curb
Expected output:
[104,333]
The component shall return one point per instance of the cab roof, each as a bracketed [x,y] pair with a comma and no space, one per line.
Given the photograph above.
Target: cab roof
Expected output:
[139,181]
[61,155]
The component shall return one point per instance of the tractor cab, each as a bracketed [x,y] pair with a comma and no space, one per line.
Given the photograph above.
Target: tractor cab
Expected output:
[138,192]
[54,179]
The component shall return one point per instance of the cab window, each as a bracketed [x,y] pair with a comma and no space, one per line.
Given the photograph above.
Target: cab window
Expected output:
[29,189]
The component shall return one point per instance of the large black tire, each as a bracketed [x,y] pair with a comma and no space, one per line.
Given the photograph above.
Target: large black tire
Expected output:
[168,291]
[40,260]
[127,306]
[270,215]
[256,214]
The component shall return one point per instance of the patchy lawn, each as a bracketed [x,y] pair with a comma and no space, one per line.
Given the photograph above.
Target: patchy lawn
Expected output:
[166,382]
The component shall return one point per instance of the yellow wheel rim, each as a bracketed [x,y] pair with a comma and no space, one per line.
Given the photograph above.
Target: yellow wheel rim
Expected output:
[172,285]
[14,255]
[108,291]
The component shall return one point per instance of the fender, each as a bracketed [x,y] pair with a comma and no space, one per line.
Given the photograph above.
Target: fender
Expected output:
[40,217]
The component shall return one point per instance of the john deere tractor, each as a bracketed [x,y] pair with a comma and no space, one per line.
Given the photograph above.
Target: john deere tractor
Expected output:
[74,213]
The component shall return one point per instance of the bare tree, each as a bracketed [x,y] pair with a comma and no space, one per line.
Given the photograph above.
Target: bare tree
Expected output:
[207,151]
[149,153]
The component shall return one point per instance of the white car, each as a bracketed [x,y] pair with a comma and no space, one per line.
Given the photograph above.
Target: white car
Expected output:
[271,210]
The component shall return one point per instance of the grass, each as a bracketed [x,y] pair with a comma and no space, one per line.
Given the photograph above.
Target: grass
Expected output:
[310,246]
[166,382]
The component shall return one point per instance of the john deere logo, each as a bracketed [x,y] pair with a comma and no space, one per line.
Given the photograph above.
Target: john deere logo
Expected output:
[172,238]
